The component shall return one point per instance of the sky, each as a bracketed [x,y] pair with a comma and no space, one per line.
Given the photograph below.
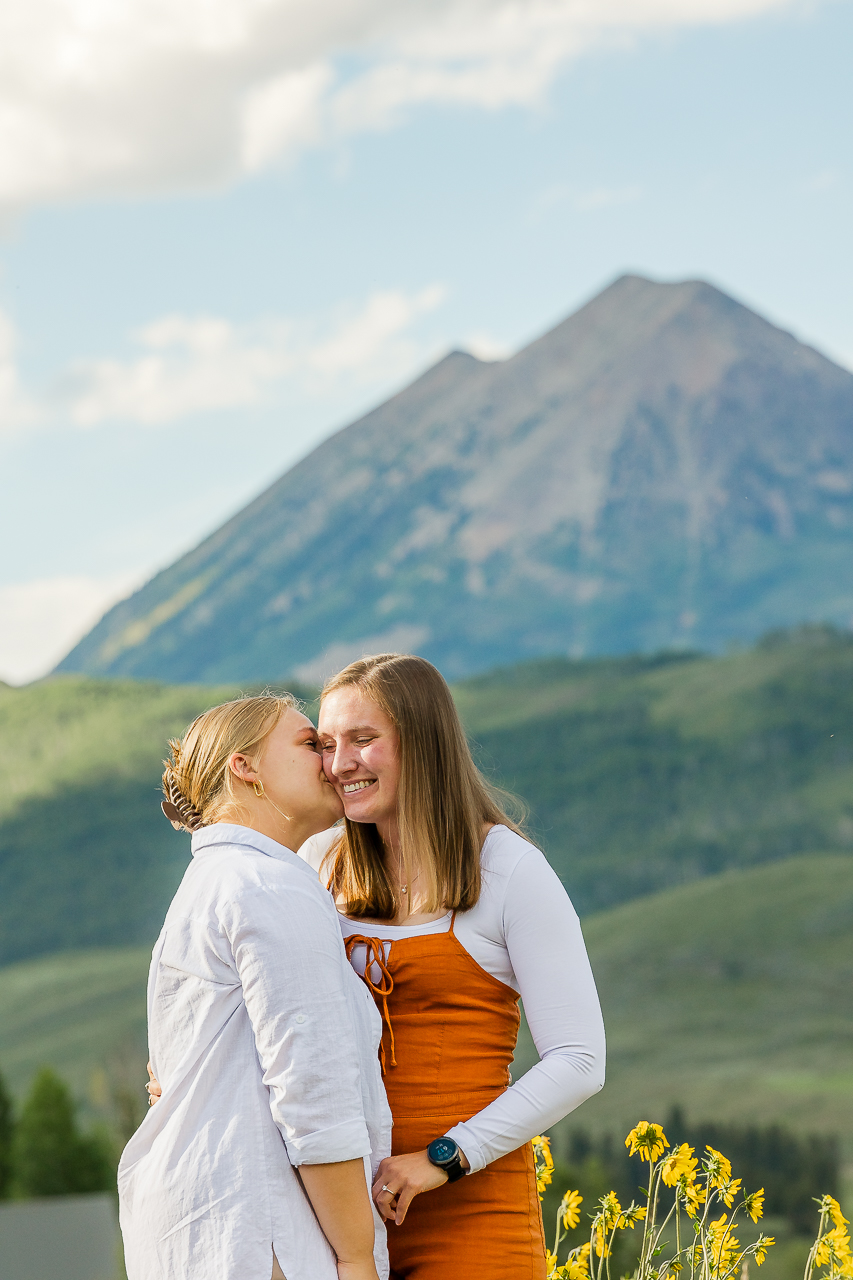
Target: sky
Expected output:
[230,227]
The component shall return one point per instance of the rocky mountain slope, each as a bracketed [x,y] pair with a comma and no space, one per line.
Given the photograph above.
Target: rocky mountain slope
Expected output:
[663,469]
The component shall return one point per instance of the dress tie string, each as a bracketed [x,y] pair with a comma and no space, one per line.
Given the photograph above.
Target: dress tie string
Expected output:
[381,990]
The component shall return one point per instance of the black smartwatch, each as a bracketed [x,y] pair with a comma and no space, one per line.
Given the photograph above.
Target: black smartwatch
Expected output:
[444,1154]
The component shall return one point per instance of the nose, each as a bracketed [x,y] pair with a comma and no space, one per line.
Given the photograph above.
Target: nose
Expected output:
[343,760]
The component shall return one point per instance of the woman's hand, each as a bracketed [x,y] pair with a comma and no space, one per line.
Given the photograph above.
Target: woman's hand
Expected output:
[153,1087]
[401,1178]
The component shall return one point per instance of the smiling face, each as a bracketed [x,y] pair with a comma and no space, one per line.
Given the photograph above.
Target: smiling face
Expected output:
[361,756]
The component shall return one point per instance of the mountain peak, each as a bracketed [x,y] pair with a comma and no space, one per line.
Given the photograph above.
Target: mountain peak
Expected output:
[663,468]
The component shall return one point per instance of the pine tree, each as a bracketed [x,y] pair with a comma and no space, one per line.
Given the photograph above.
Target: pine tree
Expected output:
[6,1126]
[50,1157]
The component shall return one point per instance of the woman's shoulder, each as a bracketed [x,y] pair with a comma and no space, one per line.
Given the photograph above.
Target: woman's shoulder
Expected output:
[316,849]
[503,850]
[517,876]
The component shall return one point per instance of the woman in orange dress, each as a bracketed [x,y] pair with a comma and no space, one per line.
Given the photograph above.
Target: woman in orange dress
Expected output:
[450,915]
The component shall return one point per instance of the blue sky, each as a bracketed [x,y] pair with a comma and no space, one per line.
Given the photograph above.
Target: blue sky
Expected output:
[210,261]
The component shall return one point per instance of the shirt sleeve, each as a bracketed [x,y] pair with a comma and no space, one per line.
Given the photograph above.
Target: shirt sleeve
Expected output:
[543,937]
[290,959]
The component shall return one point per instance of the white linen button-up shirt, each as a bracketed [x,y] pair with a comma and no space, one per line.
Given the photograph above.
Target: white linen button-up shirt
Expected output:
[265,1044]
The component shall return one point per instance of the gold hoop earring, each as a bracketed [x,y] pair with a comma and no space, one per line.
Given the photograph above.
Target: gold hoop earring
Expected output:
[258,787]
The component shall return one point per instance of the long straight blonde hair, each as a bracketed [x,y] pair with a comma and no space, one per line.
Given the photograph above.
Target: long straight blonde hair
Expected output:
[443,800]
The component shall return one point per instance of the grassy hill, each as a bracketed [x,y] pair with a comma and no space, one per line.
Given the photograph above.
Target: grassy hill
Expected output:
[639,773]
[731,996]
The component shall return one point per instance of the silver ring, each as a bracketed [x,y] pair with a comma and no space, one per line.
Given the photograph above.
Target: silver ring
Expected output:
[388,1189]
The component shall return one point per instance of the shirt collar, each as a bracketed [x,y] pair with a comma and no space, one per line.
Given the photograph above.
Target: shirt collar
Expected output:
[226,833]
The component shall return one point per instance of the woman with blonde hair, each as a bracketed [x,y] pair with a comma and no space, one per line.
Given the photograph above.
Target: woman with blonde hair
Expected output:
[257,1160]
[450,915]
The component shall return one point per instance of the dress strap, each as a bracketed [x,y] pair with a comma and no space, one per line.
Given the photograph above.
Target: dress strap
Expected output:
[381,990]
[452,923]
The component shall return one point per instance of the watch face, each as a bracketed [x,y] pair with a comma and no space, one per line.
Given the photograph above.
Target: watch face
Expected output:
[442,1149]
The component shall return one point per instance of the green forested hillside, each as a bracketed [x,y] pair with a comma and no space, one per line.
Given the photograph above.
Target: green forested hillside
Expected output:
[732,996]
[639,773]
[86,858]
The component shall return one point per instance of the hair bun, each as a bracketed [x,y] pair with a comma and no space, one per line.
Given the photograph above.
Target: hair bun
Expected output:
[180,811]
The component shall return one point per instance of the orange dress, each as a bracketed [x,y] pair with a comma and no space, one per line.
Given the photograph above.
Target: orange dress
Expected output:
[448,1040]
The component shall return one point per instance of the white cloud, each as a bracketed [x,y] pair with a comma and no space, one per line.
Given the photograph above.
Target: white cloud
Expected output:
[143,96]
[196,364]
[41,620]
[284,113]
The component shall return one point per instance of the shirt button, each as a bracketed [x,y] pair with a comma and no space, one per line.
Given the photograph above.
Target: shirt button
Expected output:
[300,1017]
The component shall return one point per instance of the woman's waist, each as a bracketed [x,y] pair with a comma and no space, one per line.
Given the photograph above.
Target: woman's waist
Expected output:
[409,1103]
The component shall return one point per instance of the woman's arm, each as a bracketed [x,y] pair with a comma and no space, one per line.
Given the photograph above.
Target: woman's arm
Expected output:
[295,981]
[294,977]
[539,927]
[543,938]
[338,1194]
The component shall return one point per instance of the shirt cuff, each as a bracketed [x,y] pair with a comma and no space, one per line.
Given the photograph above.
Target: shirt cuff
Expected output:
[464,1138]
[347,1141]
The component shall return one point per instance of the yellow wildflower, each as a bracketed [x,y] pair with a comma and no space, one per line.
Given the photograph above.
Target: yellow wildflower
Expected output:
[679,1164]
[611,1209]
[718,1167]
[694,1197]
[634,1215]
[754,1204]
[608,1218]
[577,1264]
[831,1206]
[542,1150]
[833,1247]
[764,1243]
[570,1209]
[722,1245]
[544,1162]
[647,1139]
[729,1191]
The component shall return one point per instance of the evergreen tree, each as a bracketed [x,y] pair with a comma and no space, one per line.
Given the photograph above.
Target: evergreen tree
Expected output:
[50,1157]
[6,1123]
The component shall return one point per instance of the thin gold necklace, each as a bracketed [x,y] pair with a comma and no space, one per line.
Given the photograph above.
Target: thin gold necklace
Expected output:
[404,888]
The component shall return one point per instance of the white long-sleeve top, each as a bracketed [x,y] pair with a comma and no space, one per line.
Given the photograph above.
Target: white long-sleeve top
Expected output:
[525,932]
[265,1045]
